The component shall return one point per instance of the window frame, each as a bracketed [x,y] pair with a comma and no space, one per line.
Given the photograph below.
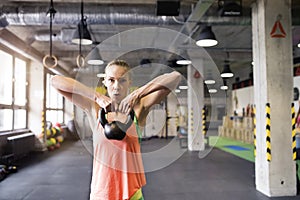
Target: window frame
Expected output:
[48,86]
[13,106]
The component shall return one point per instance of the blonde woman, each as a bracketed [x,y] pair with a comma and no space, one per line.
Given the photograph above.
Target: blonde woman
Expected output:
[118,171]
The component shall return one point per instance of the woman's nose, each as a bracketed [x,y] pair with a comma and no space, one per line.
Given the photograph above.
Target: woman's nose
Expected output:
[116,84]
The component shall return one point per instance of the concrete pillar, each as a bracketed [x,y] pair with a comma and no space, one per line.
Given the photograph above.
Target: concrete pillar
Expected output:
[195,105]
[273,84]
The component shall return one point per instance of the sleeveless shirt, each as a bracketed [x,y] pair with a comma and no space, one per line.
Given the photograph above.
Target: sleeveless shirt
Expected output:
[118,170]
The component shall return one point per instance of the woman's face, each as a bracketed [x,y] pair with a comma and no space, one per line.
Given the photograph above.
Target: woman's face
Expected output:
[117,82]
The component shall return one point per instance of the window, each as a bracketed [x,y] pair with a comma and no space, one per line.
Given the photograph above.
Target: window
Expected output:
[54,104]
[13,92]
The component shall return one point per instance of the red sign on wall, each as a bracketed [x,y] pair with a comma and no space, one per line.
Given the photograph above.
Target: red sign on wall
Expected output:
[277,30]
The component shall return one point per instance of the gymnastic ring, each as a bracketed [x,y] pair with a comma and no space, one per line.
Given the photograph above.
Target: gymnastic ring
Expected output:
[80,61]
[53,58]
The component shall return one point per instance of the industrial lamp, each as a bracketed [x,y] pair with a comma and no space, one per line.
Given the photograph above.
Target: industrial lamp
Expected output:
[224,86]
[183,58]
[227,73]
[94,58]
[82,34]
[206,38]
[209,80]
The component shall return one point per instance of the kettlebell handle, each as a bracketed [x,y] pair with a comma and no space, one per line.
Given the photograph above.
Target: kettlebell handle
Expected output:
[115,130]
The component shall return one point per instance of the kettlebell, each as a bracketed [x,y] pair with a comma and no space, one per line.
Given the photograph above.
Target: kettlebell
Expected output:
[115,130]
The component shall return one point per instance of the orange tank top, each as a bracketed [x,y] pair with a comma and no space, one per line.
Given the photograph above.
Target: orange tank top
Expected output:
[118,170]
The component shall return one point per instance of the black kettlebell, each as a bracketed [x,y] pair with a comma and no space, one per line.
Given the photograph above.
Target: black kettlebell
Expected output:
[115,130]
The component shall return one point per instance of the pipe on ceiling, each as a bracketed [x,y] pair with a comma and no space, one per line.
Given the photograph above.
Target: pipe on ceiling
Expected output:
[69,14]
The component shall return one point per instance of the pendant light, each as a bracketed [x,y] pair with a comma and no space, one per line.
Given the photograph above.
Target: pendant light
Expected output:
[226,73]
[183,58]
[82,34]
[209,79]
[94,58]
[206,38]
[224,86]
[212,91]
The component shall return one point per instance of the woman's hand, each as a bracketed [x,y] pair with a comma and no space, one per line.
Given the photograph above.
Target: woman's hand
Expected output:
[102,100]
[128,103]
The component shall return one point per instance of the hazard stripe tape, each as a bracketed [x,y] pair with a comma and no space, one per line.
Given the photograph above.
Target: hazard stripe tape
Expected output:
[294,131]
[192,121]
[254,130]
[203,121]
[43,125]
[268,132]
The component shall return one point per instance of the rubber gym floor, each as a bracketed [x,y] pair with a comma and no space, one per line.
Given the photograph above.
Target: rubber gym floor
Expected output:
[65,174]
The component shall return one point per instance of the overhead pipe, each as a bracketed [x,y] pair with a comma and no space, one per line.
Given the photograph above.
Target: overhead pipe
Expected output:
[135,14]
[69,14]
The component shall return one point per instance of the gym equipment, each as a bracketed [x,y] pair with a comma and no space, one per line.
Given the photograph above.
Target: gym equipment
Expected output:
[6,170]
[115,130]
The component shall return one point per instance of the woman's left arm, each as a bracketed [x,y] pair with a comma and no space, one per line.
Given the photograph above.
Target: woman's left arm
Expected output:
[151,93]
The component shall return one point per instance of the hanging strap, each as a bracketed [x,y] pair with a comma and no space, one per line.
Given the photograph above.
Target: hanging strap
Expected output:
[51,12]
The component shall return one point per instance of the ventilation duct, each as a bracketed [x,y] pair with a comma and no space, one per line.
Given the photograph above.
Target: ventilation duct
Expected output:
[69,14]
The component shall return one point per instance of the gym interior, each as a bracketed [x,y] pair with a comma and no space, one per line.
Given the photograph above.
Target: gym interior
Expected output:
[229,131]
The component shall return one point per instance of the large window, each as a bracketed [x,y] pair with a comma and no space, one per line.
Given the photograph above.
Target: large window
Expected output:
[54,104]
[13,92]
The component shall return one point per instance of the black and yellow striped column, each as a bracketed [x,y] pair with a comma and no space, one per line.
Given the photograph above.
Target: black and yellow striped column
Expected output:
[268,132]
[43,126]
[254,130]
[192,122]
[203,121]
[293,131]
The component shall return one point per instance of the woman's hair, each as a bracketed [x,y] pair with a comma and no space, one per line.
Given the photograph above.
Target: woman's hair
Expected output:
[120,63]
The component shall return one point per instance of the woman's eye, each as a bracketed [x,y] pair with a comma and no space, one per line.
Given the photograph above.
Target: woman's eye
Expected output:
[110,80]
[122,80]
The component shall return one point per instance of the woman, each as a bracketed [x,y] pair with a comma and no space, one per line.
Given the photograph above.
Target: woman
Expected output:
[117,166]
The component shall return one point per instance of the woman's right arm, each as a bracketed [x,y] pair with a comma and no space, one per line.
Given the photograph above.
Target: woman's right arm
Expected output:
[78,93]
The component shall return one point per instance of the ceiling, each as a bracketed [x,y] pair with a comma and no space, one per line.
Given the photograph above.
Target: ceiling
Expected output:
[28,29]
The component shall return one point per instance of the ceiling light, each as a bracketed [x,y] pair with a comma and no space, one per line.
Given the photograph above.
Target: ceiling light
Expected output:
[226,73]
[212,90]
[82,34]
[206,38]
[184,58]
[209,81]
[183,87]
[224,87]
[101,75]
[298,45]
[177,91]
[183,62]
[94,58]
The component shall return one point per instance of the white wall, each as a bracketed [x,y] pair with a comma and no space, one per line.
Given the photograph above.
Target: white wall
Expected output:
[35,97]
[240,98]
[245,96]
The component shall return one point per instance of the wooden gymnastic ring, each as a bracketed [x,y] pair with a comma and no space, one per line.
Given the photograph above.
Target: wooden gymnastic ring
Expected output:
[53,58]
[80,61]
